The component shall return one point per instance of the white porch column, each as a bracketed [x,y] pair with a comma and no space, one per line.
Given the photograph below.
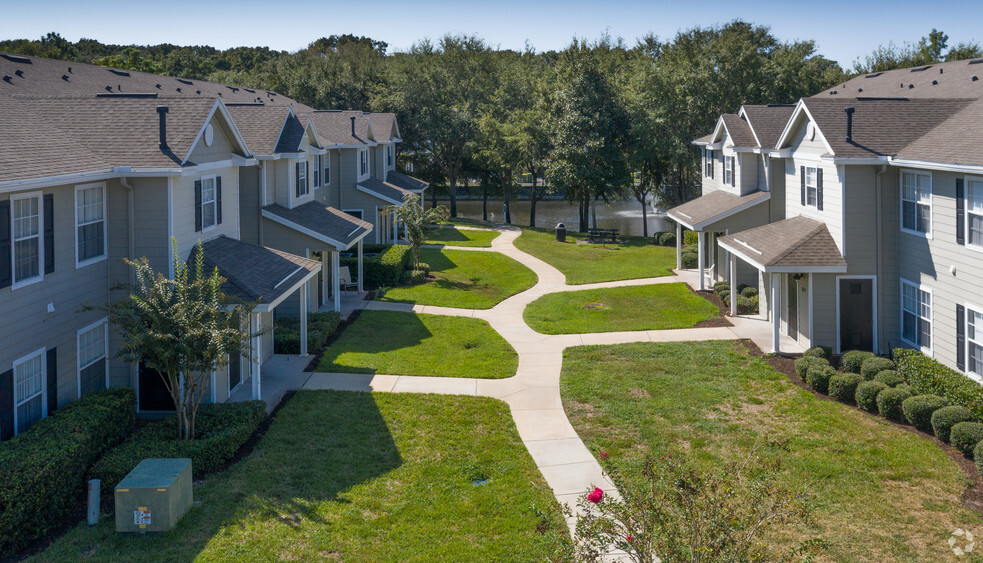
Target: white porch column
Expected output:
[776,313]
[679,246]
[325,268]
[360,265]
[335,283]
[701,259]
[303,317]
[395,228]
[257,355]
[732,263]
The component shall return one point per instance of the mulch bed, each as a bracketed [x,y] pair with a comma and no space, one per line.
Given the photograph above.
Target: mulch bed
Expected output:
[720,319]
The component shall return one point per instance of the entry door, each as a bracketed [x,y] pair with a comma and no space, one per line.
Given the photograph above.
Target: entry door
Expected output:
[153,394]
[792,319]
[235,371]
[856,314]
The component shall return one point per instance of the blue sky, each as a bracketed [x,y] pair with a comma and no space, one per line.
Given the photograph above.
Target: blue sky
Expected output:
[843,30]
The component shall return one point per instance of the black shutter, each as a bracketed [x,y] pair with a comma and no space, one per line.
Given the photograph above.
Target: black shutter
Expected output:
[712,162]
[802,185]
[5,244]
[733,171]
[961,337]
[819,189]
[307,175]
[7,405]
[197,205]
[52,366]
[297,187]
[49,233]
[960,213]
[218,200]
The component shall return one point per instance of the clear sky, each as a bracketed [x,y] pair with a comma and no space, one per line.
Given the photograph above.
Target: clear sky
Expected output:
[843,30]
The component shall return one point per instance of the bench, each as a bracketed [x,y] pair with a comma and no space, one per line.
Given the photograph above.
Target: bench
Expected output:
[601,236]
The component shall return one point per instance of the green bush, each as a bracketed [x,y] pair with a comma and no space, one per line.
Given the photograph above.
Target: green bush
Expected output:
[824,352]
[926,375]
[413,277]
[873,366]
[724,296]
[978,456]
[689,260]
[866,395]
[221,429]
[852,360]
[691,237]
[667,239]
[747,305]
[965,435]
[749,292]
[43,470]
[385,269]
[803,364]
[720,286]
[320,328]
[889,402]
[843,387]
[818,378]
[945,418]
[424,267]
[889,377]
[918,410]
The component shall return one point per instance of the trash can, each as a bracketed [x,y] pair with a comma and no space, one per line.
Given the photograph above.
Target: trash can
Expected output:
[561,232]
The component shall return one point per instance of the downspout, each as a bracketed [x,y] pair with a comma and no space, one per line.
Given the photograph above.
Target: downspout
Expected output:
[131,247]
[262,201]
[878,254]
[341,176]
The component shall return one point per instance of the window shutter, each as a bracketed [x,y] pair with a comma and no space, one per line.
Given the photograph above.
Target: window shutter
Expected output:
[7,405]
[819,188]
[960,212]
[961,337]
[711,164]
[307,174]
[197,205]
[52,366]
[297,177]
[802,185]
[218,200]
[5,244]
[49,233]
[733,171]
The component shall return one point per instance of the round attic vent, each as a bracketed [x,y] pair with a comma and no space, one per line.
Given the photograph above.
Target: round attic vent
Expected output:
[810,131]
[209,135]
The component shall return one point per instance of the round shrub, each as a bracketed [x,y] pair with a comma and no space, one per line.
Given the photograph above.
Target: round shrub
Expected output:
[749,292]
[965,435]
[717,286]
[824,352]
[843,387]
[667,239]
[918,410]
[873,366]
[724,296]
[819,376]
[866,395]
[691,237]
[689,260]
[945,418]
[803,364]
[978,456]
[889,377]
[852,360]
[747,305]
[423,266]
[889,402]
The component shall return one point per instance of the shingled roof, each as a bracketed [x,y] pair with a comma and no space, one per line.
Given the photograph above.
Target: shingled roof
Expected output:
[383,190]
[406,182]
[327,224]
[956,79]
[259,125]
[799,244]
[957,140]
[705,210]
[767,122]
[383,126]
[739,131]
[335,127]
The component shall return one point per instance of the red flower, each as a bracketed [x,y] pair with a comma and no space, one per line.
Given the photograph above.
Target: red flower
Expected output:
[663,458]
[670,456]
[604,455]
[596,495]
[629,538]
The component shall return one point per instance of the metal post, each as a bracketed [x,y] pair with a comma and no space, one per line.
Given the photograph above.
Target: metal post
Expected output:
[360,269]
[776,322]
[94,486]
[679,246]
[257,356]
[733,285]
[303,318]
[701,259]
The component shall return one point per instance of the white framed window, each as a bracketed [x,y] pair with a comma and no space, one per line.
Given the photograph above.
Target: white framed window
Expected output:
[316,177]
[302,187]
[29,390]
[729,170]
[326,164]
[28,260]
[708,163]
[974,341]
[916,316]
[363,162]
[92,344]
[209,203]
[90,224]
[390,152]
[916,202]
[974,211]
[812,187]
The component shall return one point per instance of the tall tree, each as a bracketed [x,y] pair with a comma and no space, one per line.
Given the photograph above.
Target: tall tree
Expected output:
[930,49]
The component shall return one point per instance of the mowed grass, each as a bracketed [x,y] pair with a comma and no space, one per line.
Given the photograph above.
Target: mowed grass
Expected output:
[359,477]
[410,344]
[465,279]
[591,263]
[643,307]
[878,492]
[451,236]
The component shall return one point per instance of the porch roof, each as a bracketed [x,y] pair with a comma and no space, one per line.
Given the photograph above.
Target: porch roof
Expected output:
[405,181]
[325,224]
[796,245]
[385,191]
[705,210]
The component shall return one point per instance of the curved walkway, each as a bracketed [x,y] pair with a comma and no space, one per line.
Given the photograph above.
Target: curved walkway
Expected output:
[533,393]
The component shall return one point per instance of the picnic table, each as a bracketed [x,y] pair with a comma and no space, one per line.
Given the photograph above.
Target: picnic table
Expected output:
[602,235]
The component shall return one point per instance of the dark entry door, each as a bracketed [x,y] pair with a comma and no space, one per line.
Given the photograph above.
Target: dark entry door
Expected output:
[235,371]
[856,315]
[793,307]
[153,393]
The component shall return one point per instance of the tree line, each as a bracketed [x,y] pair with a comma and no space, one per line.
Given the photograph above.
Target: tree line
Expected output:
[596,121]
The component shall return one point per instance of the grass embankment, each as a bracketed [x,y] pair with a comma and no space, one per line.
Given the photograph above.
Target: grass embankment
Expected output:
[451,236]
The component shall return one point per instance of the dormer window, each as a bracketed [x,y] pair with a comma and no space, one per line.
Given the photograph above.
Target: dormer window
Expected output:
[317,171]
[729,171]
[363,160]
[390,160]
[301,173]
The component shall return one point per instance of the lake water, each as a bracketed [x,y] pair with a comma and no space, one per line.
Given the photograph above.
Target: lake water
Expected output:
[626,216]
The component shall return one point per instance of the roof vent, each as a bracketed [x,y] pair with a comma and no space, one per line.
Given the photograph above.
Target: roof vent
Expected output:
[935,83]
[64,77]
[941,70]
[920,68]
[183,81]
[8,78]
[860,89]
[19,73]
[353,126]
[109,88]
[873,75]
[119,88]
[975,78]
[233,88]
[162,113]
[69,70]
[157,86]
[972,62]
[849,123]
[118,72]
[126,95]
[16,59]
[910,86]
[250,91]
[178,89]
[198,92]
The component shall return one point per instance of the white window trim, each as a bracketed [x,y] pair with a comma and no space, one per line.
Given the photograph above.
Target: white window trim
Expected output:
[966,213]
[13,253]
[927,350]
[316,171]
[815,186]
[977,377]
[78,352]
[326,170]
[211,177]
[728,170]
[390,157]
[105,222]
[363,175]
[931,203]
[361,212]
[302,173]
[43,352]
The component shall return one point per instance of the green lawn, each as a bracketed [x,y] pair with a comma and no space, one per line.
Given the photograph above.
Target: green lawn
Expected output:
[410,344]
[644,307]
[466,279]
[591,263]
[359,477]
[451,236]
[881,493]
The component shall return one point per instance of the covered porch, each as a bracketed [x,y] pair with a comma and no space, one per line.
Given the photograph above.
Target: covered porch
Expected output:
[394,195]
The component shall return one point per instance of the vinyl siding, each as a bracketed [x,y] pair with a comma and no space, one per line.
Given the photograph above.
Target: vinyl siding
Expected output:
[832,213]
[249,204]
[747,172]
[824,309]
[223,144]
[183,210]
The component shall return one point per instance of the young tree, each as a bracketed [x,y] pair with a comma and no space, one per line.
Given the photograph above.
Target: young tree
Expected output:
[417,222]
[183,327]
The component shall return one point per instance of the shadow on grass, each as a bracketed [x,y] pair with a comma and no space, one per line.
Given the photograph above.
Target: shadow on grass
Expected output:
[374,332]
[448,234]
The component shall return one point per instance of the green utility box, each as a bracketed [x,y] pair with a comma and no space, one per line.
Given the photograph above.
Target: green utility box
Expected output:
[154,496]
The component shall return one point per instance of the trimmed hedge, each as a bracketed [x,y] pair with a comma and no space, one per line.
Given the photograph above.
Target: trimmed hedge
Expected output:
[720,286]
[320,327]
[873,366]
[889,377]
[749,292]
[43,470]
[889,402]
[385,269]
[690,260]
[413,277]
[964,436]
[803,364]
[866,395]
[978,456]
[843,387]
[946,417]
[918,410]
[667,239]
[926,375]
[824,352]
[747,305]
[819,376]
[221,430]
[852,360]
[690,237]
